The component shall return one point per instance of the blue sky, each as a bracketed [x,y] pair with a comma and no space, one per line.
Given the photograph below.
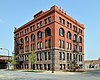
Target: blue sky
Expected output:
[14,13]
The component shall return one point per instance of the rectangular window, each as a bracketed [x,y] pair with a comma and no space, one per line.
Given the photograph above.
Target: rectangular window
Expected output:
[62,44]
[37,57]
[63,21]
[37,25]
[79,58]
[59,43]
[45,67]
[31,28]
[67,24]
[60,66]
[60,20]
[47,44]
[70,57]
[37,66]
[74,57]
[70,25]
[32,47]
[45,55]
[41,24]
[63,56]
[39,45]
[67,45]
[40,56]
[49,19]
[70,46]
[60,56]
[45,21]
[67,56]
[49,56]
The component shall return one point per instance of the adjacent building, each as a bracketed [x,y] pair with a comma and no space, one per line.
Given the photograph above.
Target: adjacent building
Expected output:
[57,39]
[92,64]
[3,61]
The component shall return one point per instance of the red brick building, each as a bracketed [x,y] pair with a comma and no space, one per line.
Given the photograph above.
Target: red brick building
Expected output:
[53,35]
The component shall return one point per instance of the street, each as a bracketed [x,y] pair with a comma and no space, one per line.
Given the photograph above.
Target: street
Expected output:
[18,75]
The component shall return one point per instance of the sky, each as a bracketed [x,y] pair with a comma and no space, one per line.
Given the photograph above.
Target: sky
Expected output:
[14,13]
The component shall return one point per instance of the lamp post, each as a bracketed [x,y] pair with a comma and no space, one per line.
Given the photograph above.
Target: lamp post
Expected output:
[8,55]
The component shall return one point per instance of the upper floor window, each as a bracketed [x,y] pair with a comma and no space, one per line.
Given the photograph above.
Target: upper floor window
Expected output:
[37,25]
[69,35]
[49,56]
[39,45]
[70,25]
[26,39]
[75,37]
[41,24]
[32,37]
[49,19]
[45,21]
[40,56]
[67,24]
[61,32]
[47,32]
[80,39]
[63,21]
[61,44]
[22,41]
[60,20]
[47,44]
[39,34]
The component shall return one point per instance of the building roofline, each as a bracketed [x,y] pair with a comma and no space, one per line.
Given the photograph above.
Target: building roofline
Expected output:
[43,13]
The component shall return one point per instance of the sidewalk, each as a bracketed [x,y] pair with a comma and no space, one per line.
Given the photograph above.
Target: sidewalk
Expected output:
[61,73]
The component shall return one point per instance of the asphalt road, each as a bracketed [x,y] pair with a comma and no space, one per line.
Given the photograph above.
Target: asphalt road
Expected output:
[18,75]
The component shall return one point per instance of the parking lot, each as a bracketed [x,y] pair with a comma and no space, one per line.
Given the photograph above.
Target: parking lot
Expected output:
[19,75]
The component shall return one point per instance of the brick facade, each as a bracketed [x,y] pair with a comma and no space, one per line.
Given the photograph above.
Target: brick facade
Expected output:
[53,34]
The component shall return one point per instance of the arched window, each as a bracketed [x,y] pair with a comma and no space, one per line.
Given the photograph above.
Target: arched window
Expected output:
[75,37]
[26,39]
[47,32]
[39,34]
[61,32]
[69,35]
[21,41]
[80,39]
[32,37]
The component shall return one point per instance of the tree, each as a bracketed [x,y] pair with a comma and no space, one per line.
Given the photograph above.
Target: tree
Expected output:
[32,58]
[73,66]
[13,60]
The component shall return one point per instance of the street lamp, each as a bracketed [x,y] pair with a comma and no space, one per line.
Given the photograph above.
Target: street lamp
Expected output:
[8,55]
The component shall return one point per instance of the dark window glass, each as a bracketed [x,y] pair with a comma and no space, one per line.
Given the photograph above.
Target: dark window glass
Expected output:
[61,32]
[26,39]
[49,19]
[41,24]
[41,56]
[32,37]
[75,37]
[45,21]
[49,56]
[60,55]
[48,32]
[69,35]
[45,55]
[39,34]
